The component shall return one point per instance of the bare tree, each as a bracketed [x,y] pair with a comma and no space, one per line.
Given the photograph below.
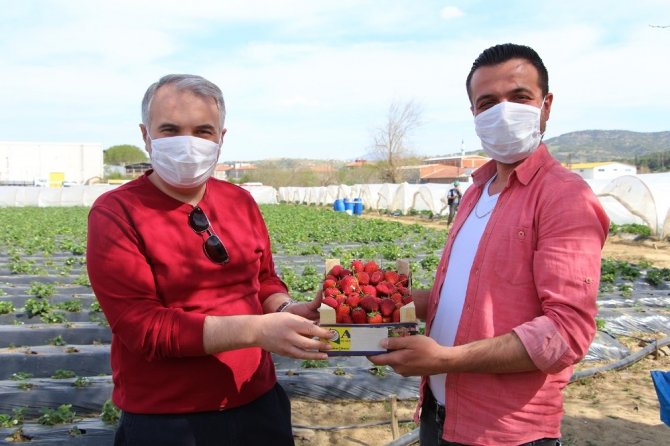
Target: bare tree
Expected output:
[391,141]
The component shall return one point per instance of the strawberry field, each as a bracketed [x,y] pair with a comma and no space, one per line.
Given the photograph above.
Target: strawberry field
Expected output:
[54,341]
[55,378]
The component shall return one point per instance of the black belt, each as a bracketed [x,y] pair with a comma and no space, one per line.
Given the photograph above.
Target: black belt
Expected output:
[432,403]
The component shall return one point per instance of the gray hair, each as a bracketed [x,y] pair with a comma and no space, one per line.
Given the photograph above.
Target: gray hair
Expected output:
[195,84]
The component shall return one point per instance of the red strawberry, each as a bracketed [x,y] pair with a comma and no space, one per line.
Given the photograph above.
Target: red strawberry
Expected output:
[385,288]
[340,298]
[386,319]
[403,279]
[376,277]
[371,267]
[387,306]
[357,265]
[330,301]
[358,316]
[396,297]
[391,276]
[344,319]
[396,315]
[336,270]
[369,304]
[331,292]
[407,299]
[402,290]
[363,278]
[353,300]
[349,284]
[374,318]
[343,309]
[345,273]
[329,283]
[369,289]
[331,277]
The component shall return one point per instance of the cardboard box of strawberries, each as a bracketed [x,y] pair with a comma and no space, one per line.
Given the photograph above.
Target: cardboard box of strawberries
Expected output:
[364,303]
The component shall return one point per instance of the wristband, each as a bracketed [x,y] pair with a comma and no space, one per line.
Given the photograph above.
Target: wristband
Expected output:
[285,305]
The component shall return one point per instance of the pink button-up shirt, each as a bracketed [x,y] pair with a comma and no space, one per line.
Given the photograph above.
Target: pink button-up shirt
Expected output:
[536,272]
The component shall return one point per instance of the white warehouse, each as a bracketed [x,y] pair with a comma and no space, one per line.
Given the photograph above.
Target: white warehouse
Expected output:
[602,170]
[49,163]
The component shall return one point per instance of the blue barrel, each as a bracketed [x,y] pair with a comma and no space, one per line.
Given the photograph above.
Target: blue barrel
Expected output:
[338,205]
[348,206]
[358,206]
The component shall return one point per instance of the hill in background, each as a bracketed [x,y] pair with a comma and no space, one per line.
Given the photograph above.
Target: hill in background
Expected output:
[650,152]
[607,145]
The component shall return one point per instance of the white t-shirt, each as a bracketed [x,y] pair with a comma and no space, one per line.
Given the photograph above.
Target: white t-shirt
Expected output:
[455,283]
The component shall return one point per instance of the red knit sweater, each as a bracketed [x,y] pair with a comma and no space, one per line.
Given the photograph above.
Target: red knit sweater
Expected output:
[155,286]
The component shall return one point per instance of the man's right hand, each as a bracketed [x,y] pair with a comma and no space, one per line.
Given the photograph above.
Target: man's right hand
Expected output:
[283,333]
[290,335]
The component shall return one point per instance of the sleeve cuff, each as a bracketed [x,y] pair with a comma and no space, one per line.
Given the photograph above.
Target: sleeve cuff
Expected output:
[544,344]
[271,287]
[191,342]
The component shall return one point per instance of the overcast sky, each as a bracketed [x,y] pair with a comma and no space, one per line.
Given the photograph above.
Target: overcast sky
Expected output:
[314,78]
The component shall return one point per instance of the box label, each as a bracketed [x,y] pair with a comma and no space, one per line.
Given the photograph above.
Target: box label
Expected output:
[364,339]
[340,339]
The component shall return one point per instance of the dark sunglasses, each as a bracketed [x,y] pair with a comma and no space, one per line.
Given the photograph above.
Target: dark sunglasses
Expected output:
[213,246]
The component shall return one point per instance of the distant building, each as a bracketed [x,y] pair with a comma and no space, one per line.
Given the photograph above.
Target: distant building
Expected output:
[460,161]
[136,169]
[50,163]
[447,169]
[601,170]
[410,174]
[356,163]
[221,171]
[234,171]
[133,170]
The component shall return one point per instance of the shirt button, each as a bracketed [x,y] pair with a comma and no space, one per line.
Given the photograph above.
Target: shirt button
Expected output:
[521,234]
[588,280]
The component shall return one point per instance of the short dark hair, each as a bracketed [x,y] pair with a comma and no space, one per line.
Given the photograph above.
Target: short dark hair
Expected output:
[502,53]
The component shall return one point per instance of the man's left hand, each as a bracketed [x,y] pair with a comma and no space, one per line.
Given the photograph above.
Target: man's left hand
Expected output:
[308,310]
[412,356]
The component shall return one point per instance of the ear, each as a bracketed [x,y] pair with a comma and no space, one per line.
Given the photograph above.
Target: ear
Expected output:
[546,110]
[145,137]
[223,132]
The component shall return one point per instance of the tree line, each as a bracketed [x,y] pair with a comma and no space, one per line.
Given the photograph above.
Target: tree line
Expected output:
[652,162]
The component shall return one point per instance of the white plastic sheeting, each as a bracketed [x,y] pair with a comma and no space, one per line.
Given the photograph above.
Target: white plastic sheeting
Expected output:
[262,194]
[617,213]
[13,196]
[642,199]
[645,196]
[389,197]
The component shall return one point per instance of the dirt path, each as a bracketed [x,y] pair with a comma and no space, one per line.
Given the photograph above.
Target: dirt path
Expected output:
[612,408]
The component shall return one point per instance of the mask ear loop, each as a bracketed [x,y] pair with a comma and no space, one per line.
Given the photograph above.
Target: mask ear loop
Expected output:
[542,107]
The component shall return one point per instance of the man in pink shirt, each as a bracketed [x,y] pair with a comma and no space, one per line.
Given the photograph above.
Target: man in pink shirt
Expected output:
[514,301]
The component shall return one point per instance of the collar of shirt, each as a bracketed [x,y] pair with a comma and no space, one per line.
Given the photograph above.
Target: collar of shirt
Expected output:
[524,172]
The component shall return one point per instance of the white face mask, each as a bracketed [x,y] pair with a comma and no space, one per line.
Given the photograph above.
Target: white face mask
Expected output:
[184,161]
[509,131]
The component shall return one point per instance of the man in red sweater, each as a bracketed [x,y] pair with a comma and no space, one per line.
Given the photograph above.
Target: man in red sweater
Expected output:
[181,264]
